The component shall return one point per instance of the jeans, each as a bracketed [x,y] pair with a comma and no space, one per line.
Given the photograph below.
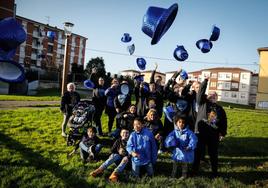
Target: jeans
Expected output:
[66,118]
[148,167]
[115,158]
[116,133]
[84,150]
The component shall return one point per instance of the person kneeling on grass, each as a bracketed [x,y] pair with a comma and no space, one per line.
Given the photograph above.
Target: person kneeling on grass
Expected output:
[142,147]
[90,145]
[119,156]
[182,141]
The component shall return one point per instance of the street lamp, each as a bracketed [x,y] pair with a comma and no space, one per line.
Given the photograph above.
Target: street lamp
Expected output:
[68,32]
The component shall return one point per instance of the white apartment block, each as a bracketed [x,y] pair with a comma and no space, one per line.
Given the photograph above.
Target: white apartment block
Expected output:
[234,85]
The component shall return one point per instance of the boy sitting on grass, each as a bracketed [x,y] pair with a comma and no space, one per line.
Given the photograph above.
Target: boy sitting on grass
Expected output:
[119,156]
[182,141]
[90,145]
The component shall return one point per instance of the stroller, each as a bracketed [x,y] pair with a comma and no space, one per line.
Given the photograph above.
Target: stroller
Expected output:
[80,120]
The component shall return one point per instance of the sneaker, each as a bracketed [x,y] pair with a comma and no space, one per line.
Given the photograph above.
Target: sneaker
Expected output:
[113,177]
[63,134]
[96,172]
[160,152]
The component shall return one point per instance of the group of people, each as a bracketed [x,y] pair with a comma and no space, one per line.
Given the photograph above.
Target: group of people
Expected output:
[193,122]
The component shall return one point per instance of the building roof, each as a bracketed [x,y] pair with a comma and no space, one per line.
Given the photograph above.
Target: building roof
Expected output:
[130,70]
[46,25]
[227,69]
[262,49]
[149,71]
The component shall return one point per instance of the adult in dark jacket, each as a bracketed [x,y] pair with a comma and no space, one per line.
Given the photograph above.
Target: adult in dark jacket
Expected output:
[157,80]
[210,127]
[99,101]
[178,98]
[158,97]
[141,91]
[111,93]
[69,99]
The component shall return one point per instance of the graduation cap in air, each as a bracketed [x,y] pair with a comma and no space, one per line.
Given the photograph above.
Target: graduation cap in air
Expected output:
[204,45]
[131,49]
[89,84]
[180,53]
[126,38]
[157,21]
[215,33]
[139,78]
[141,63]
[11,71]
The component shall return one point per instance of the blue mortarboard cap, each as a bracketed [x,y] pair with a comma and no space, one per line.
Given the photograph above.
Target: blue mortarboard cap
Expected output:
[169,112]
[215,33]
[131,49]
[184,75]
[157,21]
[11,71]
[12,34]
[180,53]
[126,37]
[204,45]
[139,78]
[141,63]
[89,84]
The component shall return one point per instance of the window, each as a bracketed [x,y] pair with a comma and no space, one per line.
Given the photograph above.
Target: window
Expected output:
[226,94]
[213,84]
[214,75]
[263,104]
[234,95]
[50,49]
[33,62]
[235,75]
[244,76]
[243,96]
[243,86]
[220,85]
[234,85]
[227,85]
[228,76]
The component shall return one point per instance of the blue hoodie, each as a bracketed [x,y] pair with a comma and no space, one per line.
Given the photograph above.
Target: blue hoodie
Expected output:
[179,140]
[144,144]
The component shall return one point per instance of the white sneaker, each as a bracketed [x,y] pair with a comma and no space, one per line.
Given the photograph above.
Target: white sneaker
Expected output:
[159,152]
[63,134]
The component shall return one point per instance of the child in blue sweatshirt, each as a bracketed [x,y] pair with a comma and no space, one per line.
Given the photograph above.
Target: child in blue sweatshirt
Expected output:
[182,141]
[142,147]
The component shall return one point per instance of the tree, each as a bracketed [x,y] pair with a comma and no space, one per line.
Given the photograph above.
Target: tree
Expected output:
[98,65]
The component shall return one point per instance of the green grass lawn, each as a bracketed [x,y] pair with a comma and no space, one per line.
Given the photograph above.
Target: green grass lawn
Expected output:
[33,154]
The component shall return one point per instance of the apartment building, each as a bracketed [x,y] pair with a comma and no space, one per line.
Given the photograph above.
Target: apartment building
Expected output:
[42,52]
[234,85]
[262,91]
[39,51]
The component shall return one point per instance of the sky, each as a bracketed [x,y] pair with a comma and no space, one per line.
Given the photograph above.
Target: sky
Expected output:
[243,25]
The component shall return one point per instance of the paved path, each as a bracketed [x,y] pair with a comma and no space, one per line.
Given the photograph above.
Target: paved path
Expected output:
[17,104]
